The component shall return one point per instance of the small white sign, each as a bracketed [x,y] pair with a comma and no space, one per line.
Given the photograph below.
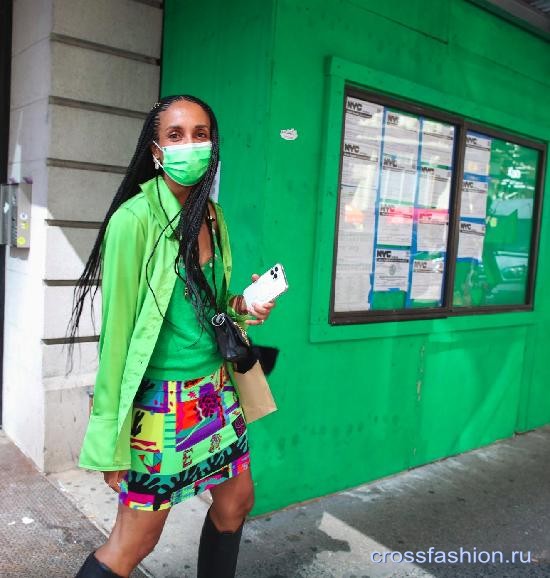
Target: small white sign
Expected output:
[289,134]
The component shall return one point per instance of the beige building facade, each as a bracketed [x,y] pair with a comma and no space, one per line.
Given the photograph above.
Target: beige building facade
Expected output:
[83,76]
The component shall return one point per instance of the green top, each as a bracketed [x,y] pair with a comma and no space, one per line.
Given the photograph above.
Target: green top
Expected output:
[132,314]
[184,349]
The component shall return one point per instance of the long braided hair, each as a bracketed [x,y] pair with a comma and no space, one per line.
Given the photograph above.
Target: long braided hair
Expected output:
[193,213]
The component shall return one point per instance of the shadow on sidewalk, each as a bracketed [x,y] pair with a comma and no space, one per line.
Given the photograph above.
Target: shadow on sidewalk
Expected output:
[495,499]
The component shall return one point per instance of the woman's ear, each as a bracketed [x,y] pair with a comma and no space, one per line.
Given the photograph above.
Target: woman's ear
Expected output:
[156,151]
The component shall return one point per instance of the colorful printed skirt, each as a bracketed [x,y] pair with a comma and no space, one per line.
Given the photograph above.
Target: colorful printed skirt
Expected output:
[187,436]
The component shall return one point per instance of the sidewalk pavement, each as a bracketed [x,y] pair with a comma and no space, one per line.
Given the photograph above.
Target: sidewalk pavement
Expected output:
[495,499]
[42,534]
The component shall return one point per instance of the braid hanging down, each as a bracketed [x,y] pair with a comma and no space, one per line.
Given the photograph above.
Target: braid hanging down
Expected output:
[193,213]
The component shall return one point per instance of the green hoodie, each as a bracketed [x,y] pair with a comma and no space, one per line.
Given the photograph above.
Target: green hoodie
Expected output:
[131,320]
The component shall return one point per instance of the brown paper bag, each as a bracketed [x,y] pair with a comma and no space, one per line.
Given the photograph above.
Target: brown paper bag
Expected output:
[253,391]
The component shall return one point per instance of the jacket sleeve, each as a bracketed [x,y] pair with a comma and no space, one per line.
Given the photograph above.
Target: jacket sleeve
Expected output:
[122,257]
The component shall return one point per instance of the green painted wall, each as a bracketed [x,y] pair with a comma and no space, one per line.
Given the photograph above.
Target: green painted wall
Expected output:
[360,402]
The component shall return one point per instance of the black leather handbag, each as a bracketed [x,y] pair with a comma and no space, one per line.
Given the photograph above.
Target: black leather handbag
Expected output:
[233,342]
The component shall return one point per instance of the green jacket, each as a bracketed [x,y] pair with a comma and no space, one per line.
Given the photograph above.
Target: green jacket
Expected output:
[131,320]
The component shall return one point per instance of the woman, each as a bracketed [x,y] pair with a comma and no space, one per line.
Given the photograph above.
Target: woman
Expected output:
[166,422]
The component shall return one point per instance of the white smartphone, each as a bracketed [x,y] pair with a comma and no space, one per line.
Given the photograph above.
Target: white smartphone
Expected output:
[268,287]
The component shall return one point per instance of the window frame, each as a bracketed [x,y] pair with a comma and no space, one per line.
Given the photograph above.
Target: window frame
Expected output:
[462,125]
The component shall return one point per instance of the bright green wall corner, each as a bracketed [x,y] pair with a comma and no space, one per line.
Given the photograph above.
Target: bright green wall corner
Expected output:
[360,402]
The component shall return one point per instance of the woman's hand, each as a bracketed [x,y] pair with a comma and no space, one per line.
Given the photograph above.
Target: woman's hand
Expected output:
[260,310]
[113,479]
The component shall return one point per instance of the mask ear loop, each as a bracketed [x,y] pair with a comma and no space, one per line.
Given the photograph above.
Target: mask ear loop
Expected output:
[156,160]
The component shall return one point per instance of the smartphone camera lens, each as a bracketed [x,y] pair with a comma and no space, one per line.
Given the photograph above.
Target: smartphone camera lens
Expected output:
[272,272]
[276,268]
[275,276]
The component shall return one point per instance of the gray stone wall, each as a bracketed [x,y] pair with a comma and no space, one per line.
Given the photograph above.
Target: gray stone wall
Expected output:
[84,75]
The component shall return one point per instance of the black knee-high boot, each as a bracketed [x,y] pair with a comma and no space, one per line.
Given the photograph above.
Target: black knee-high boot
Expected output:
[93,568]
[218,551]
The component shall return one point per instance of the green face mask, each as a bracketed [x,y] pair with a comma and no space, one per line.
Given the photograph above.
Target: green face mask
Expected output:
[186,164]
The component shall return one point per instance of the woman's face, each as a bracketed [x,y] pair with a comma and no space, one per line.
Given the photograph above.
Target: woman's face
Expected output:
[182,122]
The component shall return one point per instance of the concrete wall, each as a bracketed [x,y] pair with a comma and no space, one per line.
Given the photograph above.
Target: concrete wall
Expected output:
[84,75]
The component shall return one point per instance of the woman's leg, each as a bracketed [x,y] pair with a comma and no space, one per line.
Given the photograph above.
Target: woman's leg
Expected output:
[232,501]
[134,536]
[223,526]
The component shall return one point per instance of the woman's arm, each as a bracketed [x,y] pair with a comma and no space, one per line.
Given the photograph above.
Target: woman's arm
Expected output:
[238,304]
[122,259]
[234,306]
